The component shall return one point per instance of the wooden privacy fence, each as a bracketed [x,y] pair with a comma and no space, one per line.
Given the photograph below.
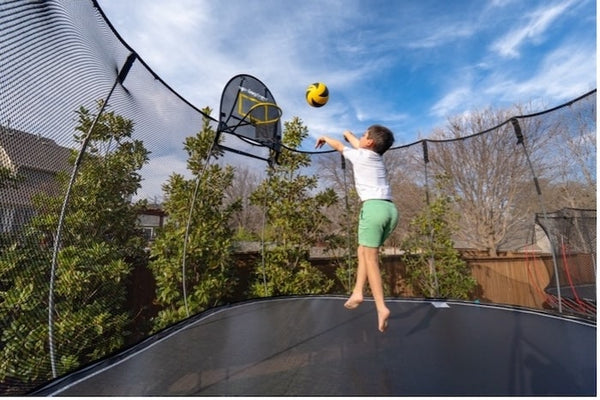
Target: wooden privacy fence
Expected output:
[515,279]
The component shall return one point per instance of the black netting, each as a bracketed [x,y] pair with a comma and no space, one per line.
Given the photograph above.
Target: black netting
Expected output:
[119,217]
[572,236]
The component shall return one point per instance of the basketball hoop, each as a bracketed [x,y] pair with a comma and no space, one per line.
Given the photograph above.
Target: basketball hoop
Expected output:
[249,111]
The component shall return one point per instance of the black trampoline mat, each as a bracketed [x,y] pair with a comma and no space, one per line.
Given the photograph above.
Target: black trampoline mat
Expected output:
[314,346]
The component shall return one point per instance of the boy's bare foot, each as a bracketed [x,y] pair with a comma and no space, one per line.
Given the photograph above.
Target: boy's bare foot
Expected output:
[382,317]
[353,302]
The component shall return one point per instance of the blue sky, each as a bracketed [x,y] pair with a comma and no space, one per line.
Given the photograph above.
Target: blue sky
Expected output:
[408,64]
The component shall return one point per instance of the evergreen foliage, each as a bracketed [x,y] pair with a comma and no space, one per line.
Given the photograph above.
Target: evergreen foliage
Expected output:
[434,267]
[295,222]
[209,275]
[100,245]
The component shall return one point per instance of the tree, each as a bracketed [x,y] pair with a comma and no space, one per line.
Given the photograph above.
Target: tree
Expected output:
[295,222]
[209,277]
[100,245]
[8,178]
[492,178]
[434,267]
[247,221]
[575,157]
[341,238]
[405,174]
[489,177]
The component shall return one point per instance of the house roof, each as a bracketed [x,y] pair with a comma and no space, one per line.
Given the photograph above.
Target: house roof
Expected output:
[33,151]
[36,160]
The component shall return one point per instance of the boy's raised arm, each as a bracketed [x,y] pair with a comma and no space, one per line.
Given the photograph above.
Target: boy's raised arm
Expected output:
[350,138]
[334,143]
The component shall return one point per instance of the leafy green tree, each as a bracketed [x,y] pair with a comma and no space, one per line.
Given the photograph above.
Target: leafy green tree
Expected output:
[209,277]
[434,267]
[341,244]
[296,222]
[341,240]
[100,245]
[8,179]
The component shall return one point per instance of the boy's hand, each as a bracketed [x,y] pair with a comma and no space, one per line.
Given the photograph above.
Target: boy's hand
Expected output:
[320,142]
[336,144]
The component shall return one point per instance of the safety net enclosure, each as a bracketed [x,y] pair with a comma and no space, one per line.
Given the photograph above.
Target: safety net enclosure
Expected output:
[572,232]
[130,218]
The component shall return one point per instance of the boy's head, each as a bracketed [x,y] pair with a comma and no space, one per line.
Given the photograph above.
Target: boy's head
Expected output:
[382,138]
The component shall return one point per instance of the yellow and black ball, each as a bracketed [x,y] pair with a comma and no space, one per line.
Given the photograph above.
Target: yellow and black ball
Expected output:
[317,94]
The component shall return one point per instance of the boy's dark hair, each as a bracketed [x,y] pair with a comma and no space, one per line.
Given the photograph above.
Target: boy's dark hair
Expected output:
[382,138]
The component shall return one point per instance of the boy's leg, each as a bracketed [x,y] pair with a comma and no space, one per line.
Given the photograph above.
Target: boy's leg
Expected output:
[371,258]
[361,277]
[376,221]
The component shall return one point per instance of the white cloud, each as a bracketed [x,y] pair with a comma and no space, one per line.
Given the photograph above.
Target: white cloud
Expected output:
[443,34]
[197,46]
[533,27]
[455,100]
[567,72]
[563,74]
[157,171]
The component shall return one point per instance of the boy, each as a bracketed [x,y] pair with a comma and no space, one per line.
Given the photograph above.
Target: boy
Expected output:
[378,215]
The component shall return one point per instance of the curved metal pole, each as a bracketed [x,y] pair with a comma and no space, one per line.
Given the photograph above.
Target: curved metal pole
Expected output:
[432,257]
[348,228]
[262,244]
[189,222]
[120,78]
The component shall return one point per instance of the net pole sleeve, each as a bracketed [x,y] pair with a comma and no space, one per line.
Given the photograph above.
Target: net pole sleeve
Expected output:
[348,227]
[426,162]
[521,141]
[431,230]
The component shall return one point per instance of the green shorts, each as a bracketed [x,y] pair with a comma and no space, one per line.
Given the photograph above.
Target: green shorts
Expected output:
[377,220]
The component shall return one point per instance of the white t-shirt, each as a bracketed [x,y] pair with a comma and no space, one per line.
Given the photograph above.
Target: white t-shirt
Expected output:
[370,175]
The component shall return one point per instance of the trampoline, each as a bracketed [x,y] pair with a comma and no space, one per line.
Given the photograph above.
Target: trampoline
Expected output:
[314,346]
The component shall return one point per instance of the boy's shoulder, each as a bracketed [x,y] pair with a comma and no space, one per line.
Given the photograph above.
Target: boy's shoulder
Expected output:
[361,152]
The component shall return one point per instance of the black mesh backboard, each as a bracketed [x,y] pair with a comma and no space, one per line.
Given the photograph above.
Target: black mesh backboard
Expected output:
[249,110]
